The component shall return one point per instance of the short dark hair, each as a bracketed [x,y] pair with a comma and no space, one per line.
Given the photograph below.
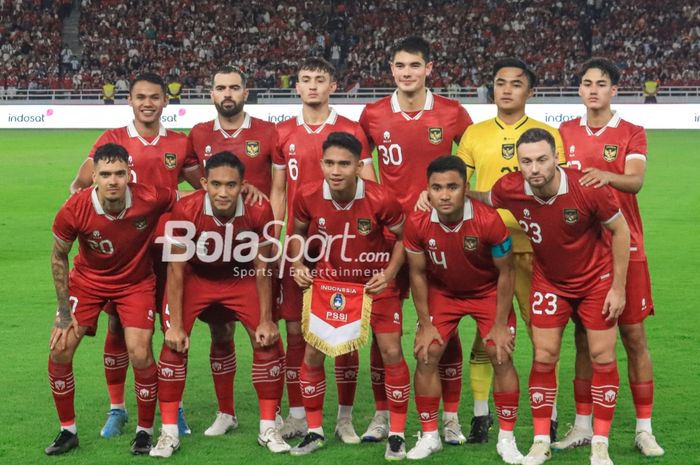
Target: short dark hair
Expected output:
[153,78]
[343,140]
[534,135]
[318,64]
[413,44]
[224,158]
[230,69]
[110,153]
[607,67]
[513,62]
[448,163]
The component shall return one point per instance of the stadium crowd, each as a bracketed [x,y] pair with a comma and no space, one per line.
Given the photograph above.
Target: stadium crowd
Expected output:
[187,40]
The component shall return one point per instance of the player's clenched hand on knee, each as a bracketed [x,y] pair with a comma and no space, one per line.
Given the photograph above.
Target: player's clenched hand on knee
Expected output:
[266,333]
[425,335]
[60,330]
[176,338]
[503,339]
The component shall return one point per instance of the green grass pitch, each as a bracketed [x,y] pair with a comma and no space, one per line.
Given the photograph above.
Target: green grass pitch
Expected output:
[37,167]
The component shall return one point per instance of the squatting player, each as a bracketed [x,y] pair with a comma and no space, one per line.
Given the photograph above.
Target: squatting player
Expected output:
[157,157]
[253,141]
[113,223]
[411,128]
[343,203]
[219,282]
[612,151]
[578,272]
[296,161]
[489,151]
[461,264]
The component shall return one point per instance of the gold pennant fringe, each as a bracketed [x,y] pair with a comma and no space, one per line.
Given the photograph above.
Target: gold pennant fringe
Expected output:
[325,347]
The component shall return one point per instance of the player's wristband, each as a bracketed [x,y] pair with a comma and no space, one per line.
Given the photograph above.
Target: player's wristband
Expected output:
[502,249]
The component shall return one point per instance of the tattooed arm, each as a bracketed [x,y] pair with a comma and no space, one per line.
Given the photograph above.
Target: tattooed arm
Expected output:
[64,318]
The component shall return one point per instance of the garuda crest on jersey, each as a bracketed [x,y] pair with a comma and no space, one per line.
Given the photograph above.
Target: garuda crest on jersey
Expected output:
[508,151]
[170,160]
[570,215]
[435,135]
[610,152]
[252,148]
[364,226]
[470,243]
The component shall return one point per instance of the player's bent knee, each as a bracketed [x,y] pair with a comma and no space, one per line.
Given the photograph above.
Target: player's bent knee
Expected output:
[391,354]
[634,338]
[546,355]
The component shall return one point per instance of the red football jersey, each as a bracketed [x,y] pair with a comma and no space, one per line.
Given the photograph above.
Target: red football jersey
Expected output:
[225,247]
[299,150]
[158,162]
[253,143]
[113,251]
[366,249]
[458,257]
[407,143]
[566,231]
[608,149]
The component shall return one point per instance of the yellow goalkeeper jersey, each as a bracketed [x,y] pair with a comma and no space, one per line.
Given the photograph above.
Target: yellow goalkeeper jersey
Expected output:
[488,149]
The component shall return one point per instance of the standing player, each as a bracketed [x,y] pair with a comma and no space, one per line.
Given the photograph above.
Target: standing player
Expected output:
[461,264]
[296,161]
[253,141]
[578,272]
[344,205]
[411,128]
[157,157]
[204,273]
[489,151]
[113,222]
[613,152]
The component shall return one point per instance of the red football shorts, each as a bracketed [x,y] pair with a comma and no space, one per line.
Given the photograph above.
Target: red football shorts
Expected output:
[387,316]
[446,311]
[548,309]
[134,305]
[239,298]
[638,294]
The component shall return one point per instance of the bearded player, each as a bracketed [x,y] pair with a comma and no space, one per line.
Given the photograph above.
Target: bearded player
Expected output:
[579,272]
[253,141]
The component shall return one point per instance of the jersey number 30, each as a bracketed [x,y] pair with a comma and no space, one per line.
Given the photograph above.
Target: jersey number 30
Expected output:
[391,155]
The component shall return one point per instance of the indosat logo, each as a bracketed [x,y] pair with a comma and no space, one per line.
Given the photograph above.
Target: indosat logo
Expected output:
[172,117]
[558,117]
[30,117]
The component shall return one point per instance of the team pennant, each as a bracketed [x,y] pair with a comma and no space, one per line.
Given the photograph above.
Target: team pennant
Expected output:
[336,316]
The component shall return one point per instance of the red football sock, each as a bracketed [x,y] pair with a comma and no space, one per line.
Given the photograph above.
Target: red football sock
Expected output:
[604,387]
[506,409]
[543,393]
[313,389]
[222,357]
[63,389]
[582,396]
[398,391]
[346,368]
[146,387]
[450,368]
[172,372]
[643,396]
[267,379]
[377,374]
[295,355]
[428,412]
[116,363]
